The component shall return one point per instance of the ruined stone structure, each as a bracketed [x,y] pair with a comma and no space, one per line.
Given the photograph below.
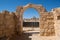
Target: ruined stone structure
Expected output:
[8,24]
[31,20]
[46,22]
[56,13]
[11,23]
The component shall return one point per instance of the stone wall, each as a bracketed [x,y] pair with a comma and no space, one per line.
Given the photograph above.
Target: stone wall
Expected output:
[8,23]
[12,22]
[56,12]
[47,24]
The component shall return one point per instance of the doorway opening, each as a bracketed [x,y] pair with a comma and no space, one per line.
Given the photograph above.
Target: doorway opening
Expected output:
[31,19]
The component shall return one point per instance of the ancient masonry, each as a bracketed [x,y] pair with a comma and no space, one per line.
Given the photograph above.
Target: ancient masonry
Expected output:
[46,19]
[12,22]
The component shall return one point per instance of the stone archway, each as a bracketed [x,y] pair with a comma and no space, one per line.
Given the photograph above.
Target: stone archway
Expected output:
[43,18]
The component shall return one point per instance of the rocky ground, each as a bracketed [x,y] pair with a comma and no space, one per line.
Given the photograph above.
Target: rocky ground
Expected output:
[32,34]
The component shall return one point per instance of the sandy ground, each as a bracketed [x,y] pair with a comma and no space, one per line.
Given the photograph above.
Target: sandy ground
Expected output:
[32,31]
[34,34]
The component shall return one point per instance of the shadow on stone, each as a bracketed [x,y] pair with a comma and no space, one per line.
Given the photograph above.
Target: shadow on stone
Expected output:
[24,36]
[3,38]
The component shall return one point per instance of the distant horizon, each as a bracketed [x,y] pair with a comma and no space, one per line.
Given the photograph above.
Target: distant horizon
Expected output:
[31,17]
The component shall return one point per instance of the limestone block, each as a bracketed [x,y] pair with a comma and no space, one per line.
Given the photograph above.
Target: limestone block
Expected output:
[42,26]
[8,23]
[52,27]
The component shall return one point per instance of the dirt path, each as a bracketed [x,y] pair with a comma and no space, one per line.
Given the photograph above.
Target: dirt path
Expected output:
[27,35]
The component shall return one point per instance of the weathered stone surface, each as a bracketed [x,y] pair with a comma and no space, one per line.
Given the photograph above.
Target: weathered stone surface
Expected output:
[49,24]
[8,23]
[46,19]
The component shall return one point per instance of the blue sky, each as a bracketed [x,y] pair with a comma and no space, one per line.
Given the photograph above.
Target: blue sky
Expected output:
[11,5]
[30,12]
